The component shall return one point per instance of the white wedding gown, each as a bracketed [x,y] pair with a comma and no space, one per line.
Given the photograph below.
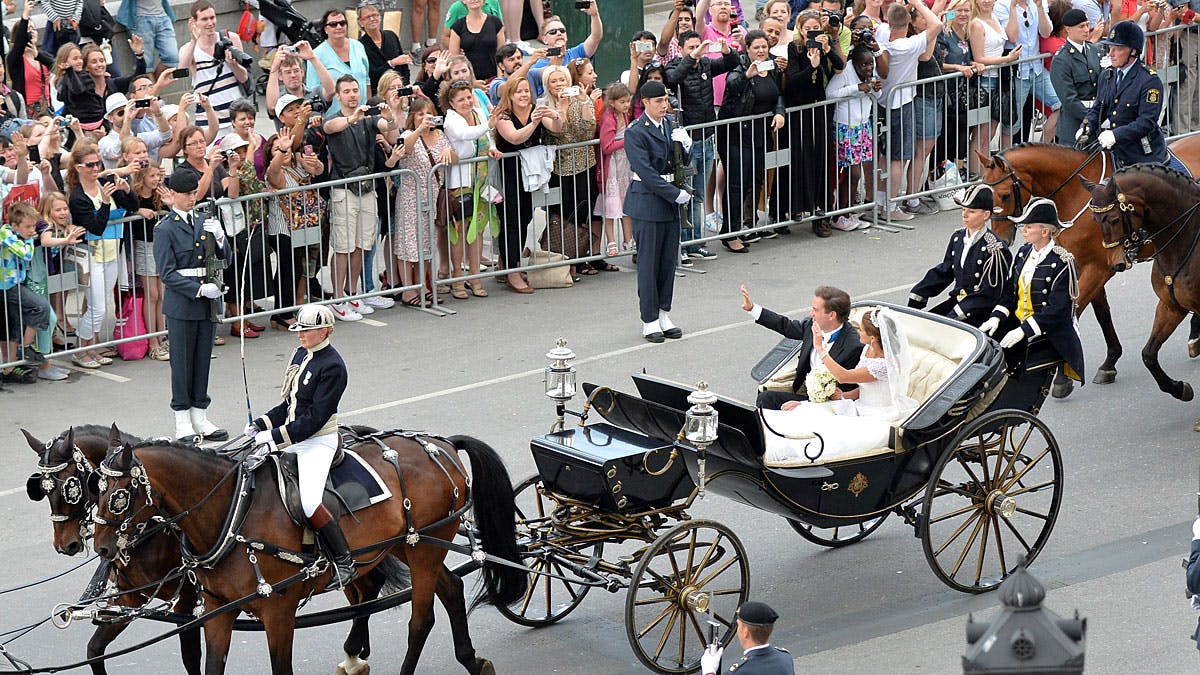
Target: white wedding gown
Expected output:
[823,432]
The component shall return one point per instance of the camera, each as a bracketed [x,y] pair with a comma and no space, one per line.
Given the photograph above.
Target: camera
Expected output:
[404,91]
[108,179]
[641,47]
[835,19]
[224,46]
[142,103]
[554,51]
[864,35]
[571,92]
[228,154]
[811,42]
[180,73]
[35,157]
[65,122]
[371,110]
[318,104]
[583,4]
[437,121]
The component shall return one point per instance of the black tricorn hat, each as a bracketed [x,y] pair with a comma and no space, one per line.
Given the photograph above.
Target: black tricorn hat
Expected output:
[1040,211]
[976,197]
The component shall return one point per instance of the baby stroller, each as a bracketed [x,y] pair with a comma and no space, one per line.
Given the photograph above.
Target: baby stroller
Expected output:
[290,24]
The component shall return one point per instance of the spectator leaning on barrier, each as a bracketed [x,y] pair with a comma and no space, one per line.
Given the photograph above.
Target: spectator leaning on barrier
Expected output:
[47,255]
[219,80]
[154,22]
[25,311]
[467,131]
[804,188]
[554,36]
[1075,73]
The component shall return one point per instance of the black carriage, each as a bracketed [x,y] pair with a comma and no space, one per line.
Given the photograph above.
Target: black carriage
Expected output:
[972,470]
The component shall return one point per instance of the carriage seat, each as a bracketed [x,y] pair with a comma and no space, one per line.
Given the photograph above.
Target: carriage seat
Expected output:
[938,350]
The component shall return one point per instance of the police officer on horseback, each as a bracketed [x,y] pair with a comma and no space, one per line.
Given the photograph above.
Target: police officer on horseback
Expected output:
[305,424]
[1124,118]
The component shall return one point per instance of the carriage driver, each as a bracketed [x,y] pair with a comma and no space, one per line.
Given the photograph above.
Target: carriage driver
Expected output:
[1124,118]
[306,424]
[976,264]
[1039,294]
[755,621]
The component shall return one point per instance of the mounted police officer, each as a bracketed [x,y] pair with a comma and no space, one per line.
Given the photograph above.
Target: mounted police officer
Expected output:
[1124,118]
[653,203]
[305,424]
[975,267]
[755,621]
[1075,73]
[187,248]
[1039,296]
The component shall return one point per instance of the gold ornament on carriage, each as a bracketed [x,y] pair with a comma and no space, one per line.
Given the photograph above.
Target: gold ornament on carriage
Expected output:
[858,484]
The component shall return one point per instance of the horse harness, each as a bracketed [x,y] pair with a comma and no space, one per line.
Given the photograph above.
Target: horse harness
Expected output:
[1018,183]
[1134,239]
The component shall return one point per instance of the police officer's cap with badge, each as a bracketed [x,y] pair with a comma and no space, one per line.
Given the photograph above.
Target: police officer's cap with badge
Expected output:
[1126,34]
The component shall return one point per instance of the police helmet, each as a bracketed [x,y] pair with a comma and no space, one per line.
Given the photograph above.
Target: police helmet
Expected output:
[1126,34]
[310,317]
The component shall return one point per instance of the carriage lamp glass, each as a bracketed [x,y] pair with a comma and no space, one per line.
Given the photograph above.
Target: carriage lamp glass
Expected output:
[700,425]
[560,374]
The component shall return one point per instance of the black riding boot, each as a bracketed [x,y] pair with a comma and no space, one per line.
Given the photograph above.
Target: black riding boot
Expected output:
[339,554]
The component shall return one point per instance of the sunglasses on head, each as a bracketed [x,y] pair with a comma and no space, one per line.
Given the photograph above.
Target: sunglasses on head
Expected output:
[336,24]
[430,59]
[557,31]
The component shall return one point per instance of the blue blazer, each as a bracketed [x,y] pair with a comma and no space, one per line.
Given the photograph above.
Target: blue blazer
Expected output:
[178,246]
[1131,109]
[650,155]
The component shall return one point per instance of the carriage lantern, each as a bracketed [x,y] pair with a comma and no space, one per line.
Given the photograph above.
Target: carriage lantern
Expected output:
[560,378]
[700,425]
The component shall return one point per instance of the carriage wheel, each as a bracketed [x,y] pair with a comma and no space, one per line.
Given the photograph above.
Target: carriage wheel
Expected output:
[694,571]
[842,535]
[546,551]
[992,500]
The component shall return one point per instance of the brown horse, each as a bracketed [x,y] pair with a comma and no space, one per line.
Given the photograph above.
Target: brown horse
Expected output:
[195,488]
[1041,170]
[70,507]
[1149,213]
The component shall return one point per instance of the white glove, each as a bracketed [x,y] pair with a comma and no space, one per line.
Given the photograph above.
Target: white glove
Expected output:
[1087,104]
[1107,139]
[210,291]
[680,136]
[1105,61]
[1079,133]
[251,430]
[683,197]
[710,661]
[1196,529]
[264,438]
[214,228]
[988,327]
[1012,338]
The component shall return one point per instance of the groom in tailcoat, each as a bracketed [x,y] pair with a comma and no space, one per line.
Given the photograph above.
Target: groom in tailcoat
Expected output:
[653,203]
[830,311]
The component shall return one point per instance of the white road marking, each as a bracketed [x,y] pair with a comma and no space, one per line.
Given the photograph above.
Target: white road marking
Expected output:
[372,322]
[11,491]
[93,371]
[591,359]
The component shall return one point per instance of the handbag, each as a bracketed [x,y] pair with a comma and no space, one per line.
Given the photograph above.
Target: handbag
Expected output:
[1005,108]
[131,323]
[232,217]
[301,209]
[549,277]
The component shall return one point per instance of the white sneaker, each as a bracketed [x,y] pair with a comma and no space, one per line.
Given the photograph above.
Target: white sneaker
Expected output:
[379,302]
[361,307]
[844,224]
[344,312]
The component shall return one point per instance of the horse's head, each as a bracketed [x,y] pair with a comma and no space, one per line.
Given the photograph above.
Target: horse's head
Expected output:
[1010,192]
[62,476]
[1119,216]
[118,483]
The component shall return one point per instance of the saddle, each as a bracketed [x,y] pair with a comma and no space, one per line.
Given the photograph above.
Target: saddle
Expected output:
[352,484]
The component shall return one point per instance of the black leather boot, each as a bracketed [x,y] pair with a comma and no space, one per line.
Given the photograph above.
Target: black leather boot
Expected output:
[339,554]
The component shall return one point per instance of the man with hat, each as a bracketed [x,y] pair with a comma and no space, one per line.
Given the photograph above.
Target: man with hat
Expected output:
[1039,296]
[1074,73]
[1128,102]
[305,424]
[755,621]
[653,203]
[976,263]
[186,248]
[120,112]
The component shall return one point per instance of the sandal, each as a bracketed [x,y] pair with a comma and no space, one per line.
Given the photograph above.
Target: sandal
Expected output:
[478,290]
[85,361]
[588,271]
[612,249]
[110,352]
[414,301]
[459,291]
[604,266]
[219,341]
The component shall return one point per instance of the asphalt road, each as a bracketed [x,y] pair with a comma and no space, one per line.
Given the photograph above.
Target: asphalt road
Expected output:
[1129,455]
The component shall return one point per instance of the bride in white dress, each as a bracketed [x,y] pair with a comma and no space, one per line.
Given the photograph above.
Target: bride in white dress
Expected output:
[854,421]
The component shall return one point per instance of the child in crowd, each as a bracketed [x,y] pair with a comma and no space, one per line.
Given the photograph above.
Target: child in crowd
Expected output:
[852,130]
[614,173]
[149,190]
[51,240]
[25,312]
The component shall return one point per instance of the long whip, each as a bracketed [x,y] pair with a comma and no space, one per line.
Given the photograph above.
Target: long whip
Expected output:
[242,333]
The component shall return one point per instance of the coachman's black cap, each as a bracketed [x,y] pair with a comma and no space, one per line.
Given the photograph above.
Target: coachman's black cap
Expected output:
[652,89]
[757,613]
[975,197]
[183,181]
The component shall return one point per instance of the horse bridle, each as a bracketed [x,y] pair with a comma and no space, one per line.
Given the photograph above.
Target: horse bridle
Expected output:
[43,483]
[121,499]
[1018,183]
[1134,239]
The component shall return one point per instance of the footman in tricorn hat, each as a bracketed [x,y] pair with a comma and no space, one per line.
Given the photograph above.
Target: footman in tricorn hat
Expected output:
[755,621]
[975,267]
[190,252]
[1037,311]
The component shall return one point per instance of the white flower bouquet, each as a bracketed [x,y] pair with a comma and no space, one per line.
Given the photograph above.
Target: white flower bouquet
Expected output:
[820,385]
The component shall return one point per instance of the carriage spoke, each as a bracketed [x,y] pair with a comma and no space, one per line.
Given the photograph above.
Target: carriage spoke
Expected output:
[725,591]
[724,566]
[945,488]
[1034,514]
[657,620]
[537,578]
[1000,546]
[980,522]
[696,624]
[967,469]
[690,557]
[662,641]
[955,535]
[1021,474]
[983,465]
[1017,534]
[567,586]
[1031,488]
[1018,450]
[704,562]
[682,633]
[654,601]
[957,512]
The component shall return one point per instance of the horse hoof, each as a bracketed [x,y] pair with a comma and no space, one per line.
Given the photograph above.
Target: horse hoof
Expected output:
[1186,393]
[1062,389]
[486,667]
[1193,348]
[353,666]
[1105,377]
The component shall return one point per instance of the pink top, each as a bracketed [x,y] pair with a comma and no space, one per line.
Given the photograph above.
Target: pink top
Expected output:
[609,143]
[711,33]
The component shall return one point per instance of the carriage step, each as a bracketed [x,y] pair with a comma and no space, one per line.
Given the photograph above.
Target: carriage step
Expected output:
[912,517]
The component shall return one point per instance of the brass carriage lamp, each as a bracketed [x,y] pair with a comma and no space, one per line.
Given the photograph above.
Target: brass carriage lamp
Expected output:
[560,378]
[700,425]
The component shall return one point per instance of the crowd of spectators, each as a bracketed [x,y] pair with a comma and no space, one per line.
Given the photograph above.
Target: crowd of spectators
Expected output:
[831,84]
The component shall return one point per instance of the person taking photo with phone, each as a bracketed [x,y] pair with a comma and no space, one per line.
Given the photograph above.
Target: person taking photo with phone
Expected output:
[554,36]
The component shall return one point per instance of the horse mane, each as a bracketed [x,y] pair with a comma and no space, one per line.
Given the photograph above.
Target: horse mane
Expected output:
[1177,179]
[177,445]
[93,430]
[1039,145]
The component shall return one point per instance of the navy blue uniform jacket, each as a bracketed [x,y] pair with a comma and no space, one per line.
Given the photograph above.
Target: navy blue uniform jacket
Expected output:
[650,155]
[1052,288]
[977,286]
[312,390]
[1131,109]
[764,661]
[177,246]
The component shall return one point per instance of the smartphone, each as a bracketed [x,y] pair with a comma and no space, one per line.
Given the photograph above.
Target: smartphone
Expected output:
[35,157]
[308,149]
[714,48]
[180,73]
[570,92]
[142,103]
[583,4]
[371,110]
[404,91]
[554,51]
[809,44]
[108,179]
[779,50]
[951,15]
[764,66]
[641,47]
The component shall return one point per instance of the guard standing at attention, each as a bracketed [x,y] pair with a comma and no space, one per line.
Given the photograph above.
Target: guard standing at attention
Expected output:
[654,205]
[1074,72]
[975,267]
[1124,118]
[186,247]
[755,621]
[1039,296]
[305,423]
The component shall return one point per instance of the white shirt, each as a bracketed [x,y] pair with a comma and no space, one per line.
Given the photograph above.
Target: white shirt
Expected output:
[969,241]
[462,136]
[903,55]
[1035,258]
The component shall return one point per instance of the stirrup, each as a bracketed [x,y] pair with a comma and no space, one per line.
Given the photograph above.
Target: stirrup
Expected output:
[341,574]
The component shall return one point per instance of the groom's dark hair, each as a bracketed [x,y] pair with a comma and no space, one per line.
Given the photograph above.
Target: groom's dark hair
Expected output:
[836,301]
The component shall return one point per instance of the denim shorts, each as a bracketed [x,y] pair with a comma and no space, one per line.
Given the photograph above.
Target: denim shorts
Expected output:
[929,115]
[901,128]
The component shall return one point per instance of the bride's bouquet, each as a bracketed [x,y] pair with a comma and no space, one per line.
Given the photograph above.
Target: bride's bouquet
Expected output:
[820,384]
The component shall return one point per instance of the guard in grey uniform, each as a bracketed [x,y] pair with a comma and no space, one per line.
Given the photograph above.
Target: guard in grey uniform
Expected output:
[755,621]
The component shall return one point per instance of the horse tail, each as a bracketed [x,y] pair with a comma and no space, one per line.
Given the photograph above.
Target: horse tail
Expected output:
[495,516]
[394,574]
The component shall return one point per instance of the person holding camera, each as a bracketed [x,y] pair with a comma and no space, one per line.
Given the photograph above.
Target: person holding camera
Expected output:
[682,20]
[287,76]
[554,36]
[120,115]
[187,246]
[722,27]
[216,61]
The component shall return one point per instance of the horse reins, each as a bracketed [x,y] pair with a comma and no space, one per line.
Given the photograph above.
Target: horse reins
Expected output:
[1018,183]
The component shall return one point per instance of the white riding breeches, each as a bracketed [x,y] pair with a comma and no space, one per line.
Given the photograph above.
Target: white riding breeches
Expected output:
[313,457]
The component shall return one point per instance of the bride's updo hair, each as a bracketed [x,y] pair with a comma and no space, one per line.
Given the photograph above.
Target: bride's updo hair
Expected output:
[869,327]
